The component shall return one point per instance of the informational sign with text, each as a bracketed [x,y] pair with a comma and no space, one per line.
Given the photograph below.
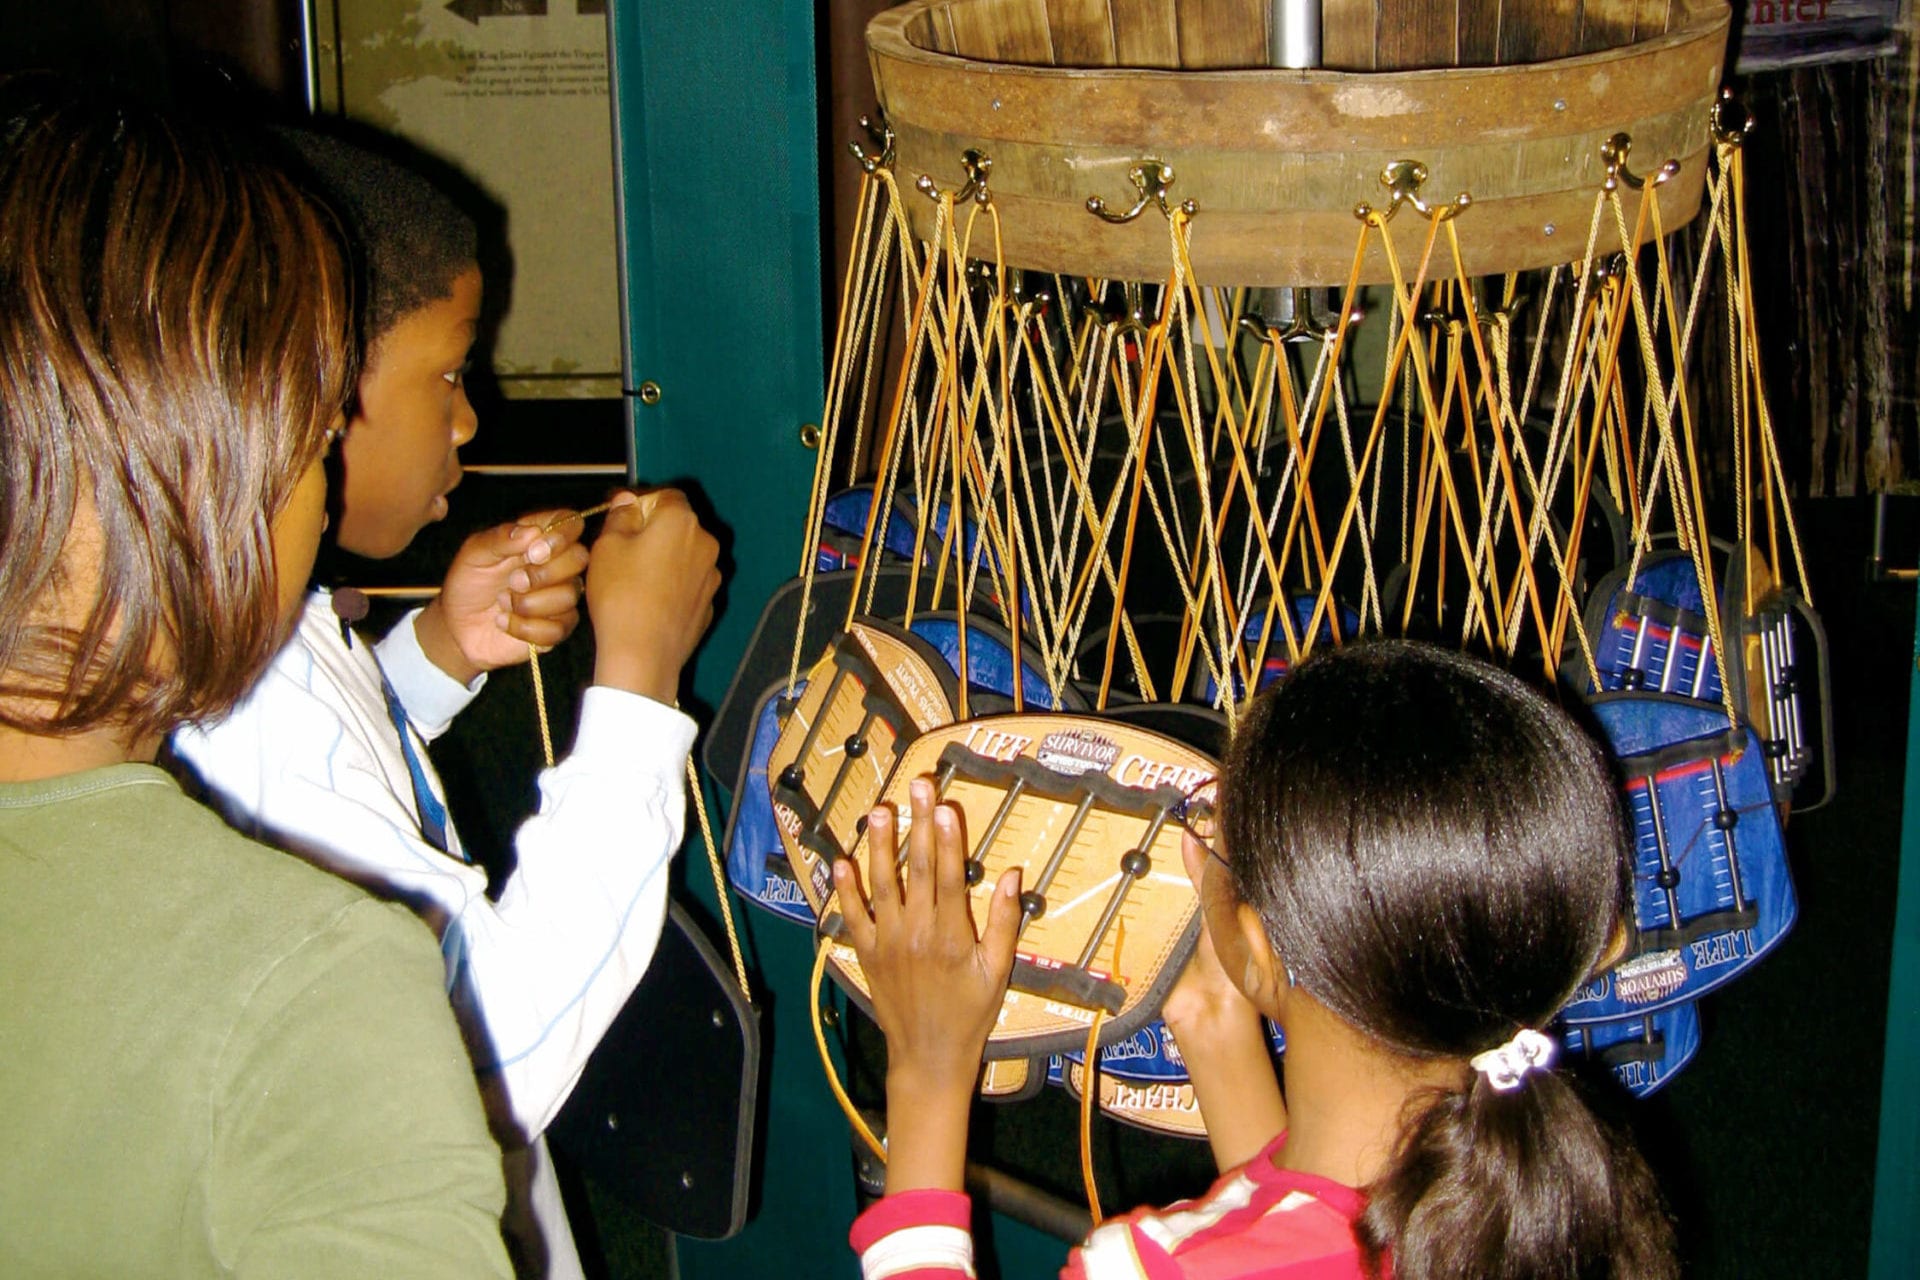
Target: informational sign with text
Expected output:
[514,93]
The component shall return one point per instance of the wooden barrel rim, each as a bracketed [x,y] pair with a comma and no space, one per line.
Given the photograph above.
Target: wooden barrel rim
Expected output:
[1278,154]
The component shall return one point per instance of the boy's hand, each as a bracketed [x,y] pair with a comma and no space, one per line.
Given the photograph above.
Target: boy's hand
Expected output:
[508,587]
[936,988]
[650,589]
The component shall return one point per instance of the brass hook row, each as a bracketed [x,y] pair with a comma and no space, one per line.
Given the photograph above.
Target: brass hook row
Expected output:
[1153,179]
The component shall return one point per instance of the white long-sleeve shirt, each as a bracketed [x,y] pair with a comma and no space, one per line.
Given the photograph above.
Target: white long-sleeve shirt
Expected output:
[312,762]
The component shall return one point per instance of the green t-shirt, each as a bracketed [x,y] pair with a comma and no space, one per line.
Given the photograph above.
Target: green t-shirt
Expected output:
[215,1059]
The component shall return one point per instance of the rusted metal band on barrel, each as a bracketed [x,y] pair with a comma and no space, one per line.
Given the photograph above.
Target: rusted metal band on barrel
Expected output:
[1277,159]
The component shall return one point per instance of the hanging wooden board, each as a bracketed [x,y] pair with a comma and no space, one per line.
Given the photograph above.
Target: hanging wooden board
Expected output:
[876,688]
[1086,807]
[679,1155]
[1165,1106]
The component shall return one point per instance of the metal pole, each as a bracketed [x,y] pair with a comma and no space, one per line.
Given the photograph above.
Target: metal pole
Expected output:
[1293,41]
[1293,34]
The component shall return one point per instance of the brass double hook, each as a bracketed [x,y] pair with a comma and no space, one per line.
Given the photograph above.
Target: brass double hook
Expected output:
[1403,180]
[1613,154]
[1608,268]
[1153,179]
[1300,318]
[978,166]
[1129,315]
[1730,120]
[882,134]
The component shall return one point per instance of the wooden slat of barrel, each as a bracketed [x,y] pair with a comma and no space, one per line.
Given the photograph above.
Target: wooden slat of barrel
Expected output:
[1223,33]
[1652,16]
[1004,31]
[1145,33]
[1346,34]
[932,28]
[1605,24]
[1413,33]
[1374,35]
[1539,30]
[1082,33]
[1479,23]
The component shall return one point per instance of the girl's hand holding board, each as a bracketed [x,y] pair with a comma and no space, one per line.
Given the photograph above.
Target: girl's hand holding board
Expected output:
[936,986]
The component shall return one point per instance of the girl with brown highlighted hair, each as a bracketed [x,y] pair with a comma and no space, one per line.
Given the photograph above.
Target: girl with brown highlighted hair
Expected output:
[216,1059]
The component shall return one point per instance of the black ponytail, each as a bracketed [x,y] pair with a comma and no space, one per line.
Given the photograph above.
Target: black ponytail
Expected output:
[1526,1185]
[1437,853]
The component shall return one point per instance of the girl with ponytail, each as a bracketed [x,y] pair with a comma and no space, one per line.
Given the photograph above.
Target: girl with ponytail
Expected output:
[1411,862]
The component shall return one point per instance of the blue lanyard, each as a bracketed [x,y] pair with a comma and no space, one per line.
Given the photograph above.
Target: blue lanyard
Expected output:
[433,814]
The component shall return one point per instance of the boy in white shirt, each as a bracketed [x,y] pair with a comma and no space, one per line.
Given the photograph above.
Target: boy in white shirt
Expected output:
[327,756]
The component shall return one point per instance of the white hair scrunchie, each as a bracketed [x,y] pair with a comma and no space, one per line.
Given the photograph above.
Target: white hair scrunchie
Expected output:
[1508,1065]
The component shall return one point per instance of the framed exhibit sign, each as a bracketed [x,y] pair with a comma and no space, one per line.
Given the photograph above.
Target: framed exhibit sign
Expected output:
[514,94]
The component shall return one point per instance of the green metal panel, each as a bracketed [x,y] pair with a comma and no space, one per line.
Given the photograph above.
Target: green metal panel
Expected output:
[716,145]
[1896,1183]
[720,227]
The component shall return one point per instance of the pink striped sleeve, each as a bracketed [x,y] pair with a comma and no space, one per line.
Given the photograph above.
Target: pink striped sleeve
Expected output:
[916,1235]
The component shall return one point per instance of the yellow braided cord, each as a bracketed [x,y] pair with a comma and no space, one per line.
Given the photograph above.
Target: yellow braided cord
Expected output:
[721,894]
[840,366]
[1737,369]
[1347,516]
[533,651]
[694,790]
[1090,1082]
[1490,510]
[1685,475]
[1077,464]
[864,317]
[540,705]
[857,1121]
[1404,298]
[1769,445]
